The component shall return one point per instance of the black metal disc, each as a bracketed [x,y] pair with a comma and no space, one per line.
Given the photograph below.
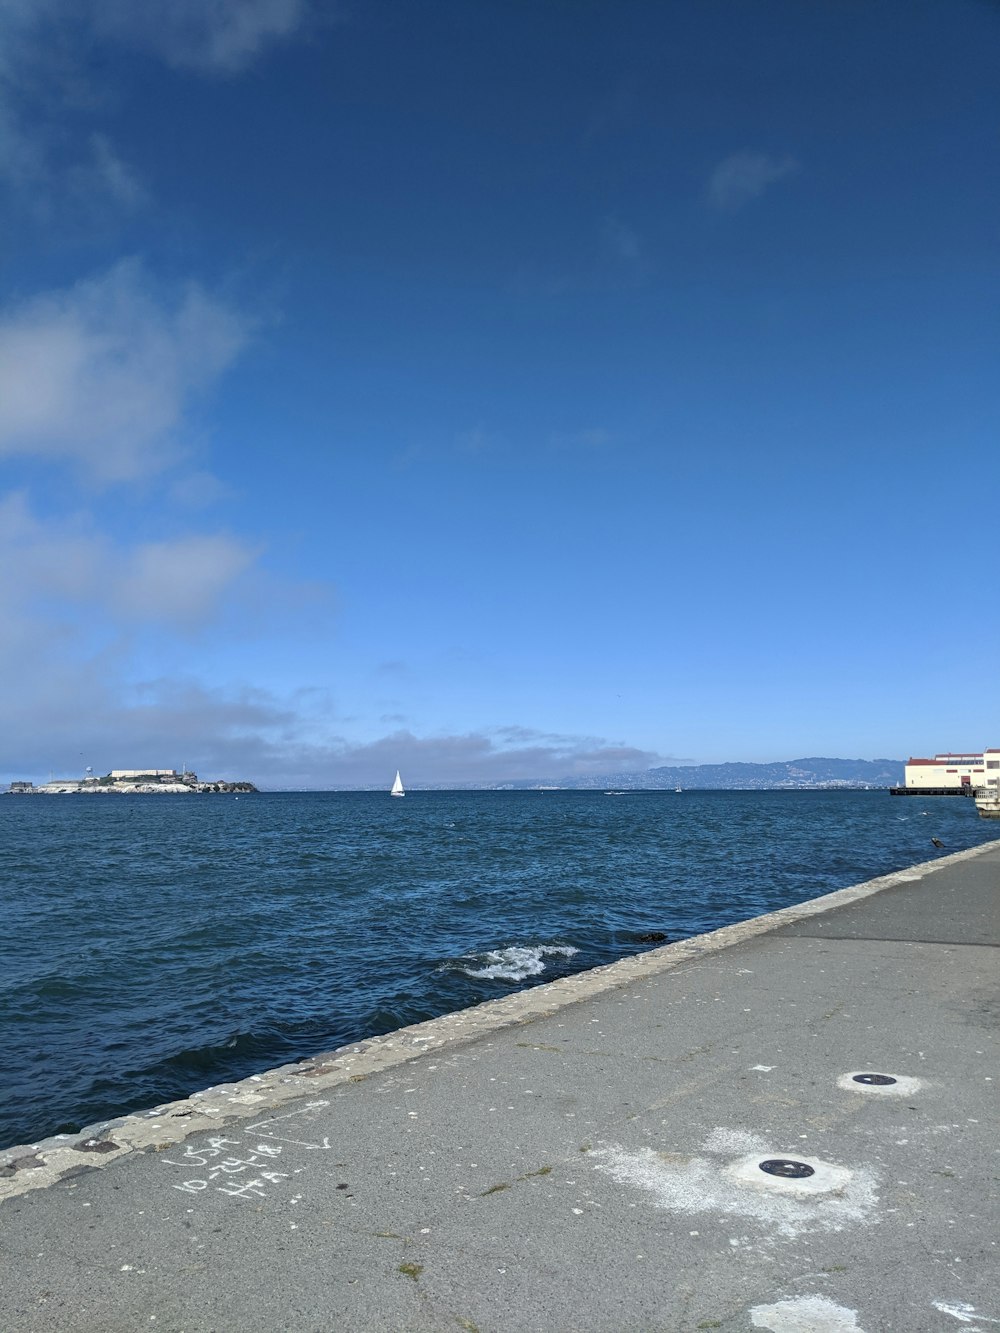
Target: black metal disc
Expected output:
[874,1080]
[783,1166]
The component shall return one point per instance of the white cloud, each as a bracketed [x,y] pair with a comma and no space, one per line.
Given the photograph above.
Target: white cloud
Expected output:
[67,715]
[55,168]
[64,561]
[101,373]
[70,696]
[20,155]
[745,176]
[63,570]
[199,490]
[102,175]
[80,611]
[507,754]
[222,36]
[181,581]
[58,169]
[95,186]
[204,35]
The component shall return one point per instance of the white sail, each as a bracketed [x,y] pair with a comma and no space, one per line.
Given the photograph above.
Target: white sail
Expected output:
[397,786]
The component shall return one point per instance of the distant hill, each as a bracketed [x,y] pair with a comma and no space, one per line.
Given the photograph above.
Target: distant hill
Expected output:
[791,773]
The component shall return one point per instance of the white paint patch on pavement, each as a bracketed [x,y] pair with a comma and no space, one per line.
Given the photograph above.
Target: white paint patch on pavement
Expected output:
[825,1181]
[708,1183]
[903,1086]
[965,1314]
[806,1314]
[734,1141]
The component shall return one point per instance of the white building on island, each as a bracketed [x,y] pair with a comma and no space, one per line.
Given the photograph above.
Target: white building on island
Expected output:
[129,781]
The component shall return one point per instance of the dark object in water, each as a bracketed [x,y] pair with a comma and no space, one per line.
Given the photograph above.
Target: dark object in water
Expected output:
[937,842]
[652,937]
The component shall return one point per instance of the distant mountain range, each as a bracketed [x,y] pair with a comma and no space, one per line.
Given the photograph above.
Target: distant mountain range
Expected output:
[794,774]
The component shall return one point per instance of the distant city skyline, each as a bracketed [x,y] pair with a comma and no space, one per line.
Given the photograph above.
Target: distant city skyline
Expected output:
[495,392]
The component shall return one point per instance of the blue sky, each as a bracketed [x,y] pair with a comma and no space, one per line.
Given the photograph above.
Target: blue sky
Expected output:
[495,391]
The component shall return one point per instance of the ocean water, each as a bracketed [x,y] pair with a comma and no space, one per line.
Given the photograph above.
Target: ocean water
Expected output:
[154,945]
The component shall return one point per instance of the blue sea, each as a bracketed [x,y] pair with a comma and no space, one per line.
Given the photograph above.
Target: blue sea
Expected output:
[154,945]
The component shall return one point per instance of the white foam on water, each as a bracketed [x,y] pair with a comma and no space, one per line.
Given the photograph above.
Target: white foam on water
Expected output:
[515,963]
[806,1314]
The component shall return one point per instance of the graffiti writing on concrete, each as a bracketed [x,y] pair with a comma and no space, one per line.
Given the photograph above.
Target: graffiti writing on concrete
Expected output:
[251,1166]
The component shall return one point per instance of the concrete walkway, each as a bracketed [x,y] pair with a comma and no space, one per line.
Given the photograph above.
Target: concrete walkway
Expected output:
[583,1156]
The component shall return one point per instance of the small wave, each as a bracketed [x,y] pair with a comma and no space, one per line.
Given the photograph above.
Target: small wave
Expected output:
[515,963]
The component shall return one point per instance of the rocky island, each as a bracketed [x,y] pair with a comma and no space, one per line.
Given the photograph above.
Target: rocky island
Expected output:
[129,782]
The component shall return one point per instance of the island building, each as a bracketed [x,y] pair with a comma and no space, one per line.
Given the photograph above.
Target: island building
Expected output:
[951,774]
[129,781]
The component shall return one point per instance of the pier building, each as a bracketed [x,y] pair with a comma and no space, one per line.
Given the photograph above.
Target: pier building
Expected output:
[951,774]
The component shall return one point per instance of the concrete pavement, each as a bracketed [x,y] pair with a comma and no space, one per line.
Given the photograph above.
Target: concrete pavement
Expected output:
[582,1156]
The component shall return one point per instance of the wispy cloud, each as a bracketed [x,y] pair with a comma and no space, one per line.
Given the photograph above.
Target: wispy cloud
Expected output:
[69,698]
[106,381]
[86,716]
[480,757]
[508,754]
[199,490]
[52,162]
[622,240]
[181,581]
[65,570]
[72,715]
[102,373]
[745,176]
[63,178]
[100,380]
[72,603]
[102,175]
[210,36]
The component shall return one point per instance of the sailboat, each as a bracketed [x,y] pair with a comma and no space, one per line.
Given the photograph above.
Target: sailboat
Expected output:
[397,786]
